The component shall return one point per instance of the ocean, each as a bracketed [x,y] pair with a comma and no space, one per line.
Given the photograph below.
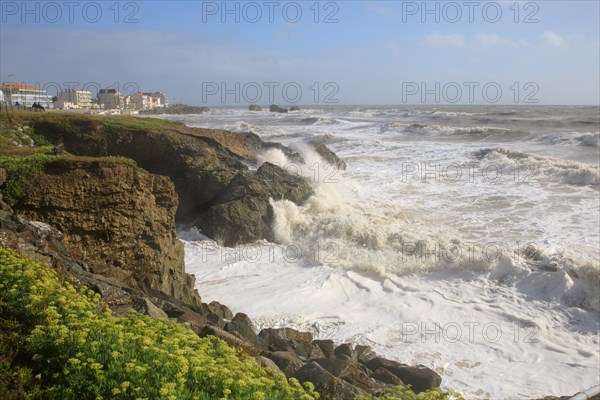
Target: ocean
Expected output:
[466,239]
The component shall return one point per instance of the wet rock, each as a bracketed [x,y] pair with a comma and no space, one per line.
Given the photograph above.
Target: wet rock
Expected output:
[420,378]
[254,107]
[276,108]
[328,155]
[242,212]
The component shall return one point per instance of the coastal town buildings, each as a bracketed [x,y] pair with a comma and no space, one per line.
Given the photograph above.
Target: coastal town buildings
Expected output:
[110,99]
[21,95]
[79,98]
[62,104]
[159,98]
[25,95]
[140,101]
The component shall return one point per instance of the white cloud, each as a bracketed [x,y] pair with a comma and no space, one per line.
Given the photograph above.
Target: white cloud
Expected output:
[377,8]
[493,39]
[554,39]
[490,39]
[437,39]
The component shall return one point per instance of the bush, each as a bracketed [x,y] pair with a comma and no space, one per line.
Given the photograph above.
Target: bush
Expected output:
[60,343]
[19,170]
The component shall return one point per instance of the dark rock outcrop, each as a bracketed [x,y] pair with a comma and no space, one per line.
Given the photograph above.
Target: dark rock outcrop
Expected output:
[328,155]
[351,372]
[419,377]
[254,107]
[276,108]
[326,346]
[287,361]
[241,213]
[202,163]
[345,349]
[330,387]
[294,108]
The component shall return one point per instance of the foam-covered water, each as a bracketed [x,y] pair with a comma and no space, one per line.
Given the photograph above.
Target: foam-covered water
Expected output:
[463,238]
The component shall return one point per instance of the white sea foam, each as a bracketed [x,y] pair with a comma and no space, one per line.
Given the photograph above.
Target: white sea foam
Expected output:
[569,171]
[372,256]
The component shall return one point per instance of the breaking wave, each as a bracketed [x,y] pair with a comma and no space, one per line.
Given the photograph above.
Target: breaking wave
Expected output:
[538,166]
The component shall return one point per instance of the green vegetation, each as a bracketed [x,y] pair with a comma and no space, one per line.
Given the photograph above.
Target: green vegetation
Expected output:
[52,124]
[19,170]
[60,343]
[404,393]
[19,136]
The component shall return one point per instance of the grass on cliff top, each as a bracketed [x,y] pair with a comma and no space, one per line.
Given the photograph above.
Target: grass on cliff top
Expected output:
[60,343]
[55,123]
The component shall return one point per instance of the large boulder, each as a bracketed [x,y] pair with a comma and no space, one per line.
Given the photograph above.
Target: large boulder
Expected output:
[419,377]
[328,155]
[327,347]
[288,339]
[254,107]
[242,326]
[242,213]
[351,372]
[328,386]
[345,349]
[276,108]
[288,362]
[287,333]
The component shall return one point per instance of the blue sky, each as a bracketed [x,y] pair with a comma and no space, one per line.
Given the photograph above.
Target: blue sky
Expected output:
[351,52]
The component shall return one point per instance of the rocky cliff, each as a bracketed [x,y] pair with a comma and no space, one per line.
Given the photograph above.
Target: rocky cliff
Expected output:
[202,163]
[119,219]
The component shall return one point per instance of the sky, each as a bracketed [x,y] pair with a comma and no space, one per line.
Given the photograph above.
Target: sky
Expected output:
[216,53]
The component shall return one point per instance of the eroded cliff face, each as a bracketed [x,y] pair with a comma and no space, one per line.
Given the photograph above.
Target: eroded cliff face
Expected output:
[202,163]
[119,219]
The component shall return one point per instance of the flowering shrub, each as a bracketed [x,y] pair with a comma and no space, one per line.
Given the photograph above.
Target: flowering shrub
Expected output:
[60,343]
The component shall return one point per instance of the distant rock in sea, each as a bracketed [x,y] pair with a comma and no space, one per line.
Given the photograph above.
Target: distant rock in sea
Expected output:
[276,108]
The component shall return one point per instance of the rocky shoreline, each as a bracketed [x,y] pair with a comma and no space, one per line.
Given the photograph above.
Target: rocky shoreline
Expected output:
[110,226]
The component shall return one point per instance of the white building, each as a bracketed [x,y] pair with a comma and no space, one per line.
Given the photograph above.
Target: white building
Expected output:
[140,101]
[161,99]
[25,95]
[62,104]
[80,98]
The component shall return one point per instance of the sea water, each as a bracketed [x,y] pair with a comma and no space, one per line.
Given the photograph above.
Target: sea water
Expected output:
[465,239]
